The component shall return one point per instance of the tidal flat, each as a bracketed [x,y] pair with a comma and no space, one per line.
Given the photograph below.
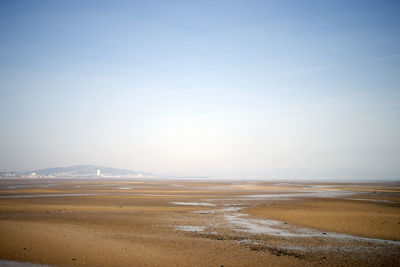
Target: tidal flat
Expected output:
[111,222]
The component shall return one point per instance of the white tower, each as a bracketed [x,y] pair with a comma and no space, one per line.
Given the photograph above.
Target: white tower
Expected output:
[98,173]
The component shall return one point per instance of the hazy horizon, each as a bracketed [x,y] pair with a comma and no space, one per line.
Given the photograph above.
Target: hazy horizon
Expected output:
[282,174]
[216,88]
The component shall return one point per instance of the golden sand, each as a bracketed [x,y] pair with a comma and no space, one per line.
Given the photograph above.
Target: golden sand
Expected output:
[130,228]
[362,218]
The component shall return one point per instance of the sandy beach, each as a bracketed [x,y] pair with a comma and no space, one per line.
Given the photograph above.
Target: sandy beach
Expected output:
[198,223]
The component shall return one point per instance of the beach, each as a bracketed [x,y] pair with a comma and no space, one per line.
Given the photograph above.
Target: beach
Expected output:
[95,222]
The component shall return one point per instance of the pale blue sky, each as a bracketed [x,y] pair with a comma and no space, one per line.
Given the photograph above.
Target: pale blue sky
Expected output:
[200,87]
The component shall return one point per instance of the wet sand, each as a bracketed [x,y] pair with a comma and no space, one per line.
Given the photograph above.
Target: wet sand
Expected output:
[189,223]
[355,217]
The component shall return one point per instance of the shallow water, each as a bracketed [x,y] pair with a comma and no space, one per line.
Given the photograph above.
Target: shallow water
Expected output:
[279,228]
[313,193]
[374,200]
[217,210]
[193,204]
[190,228]
[240,222]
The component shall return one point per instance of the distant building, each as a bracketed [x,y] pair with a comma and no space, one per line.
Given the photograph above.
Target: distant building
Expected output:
[98,173]
[7,174]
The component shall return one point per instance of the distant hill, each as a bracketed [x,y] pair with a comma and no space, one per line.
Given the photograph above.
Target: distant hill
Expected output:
[86,171]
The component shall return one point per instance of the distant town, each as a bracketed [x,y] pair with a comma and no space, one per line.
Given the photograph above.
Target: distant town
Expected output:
[6,174]
[79,171]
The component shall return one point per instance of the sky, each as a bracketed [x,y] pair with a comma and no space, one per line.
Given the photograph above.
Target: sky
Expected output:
[217,88]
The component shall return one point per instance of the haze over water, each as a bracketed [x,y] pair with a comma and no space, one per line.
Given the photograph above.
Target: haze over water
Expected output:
[216,88]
